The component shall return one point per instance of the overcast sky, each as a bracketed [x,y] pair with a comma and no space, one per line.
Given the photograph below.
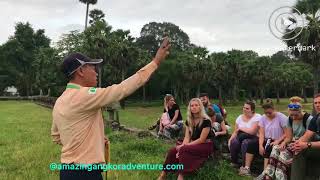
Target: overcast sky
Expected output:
[219,25]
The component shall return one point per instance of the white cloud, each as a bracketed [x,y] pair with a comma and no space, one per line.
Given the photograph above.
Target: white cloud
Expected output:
[218,25]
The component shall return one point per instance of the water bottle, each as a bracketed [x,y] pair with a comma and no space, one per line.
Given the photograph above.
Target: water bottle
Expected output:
[267,144]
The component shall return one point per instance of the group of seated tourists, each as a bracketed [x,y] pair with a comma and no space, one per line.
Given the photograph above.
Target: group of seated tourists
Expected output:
[287,144]
[170,122]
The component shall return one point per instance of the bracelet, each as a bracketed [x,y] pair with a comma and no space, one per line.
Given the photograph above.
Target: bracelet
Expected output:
[309,144]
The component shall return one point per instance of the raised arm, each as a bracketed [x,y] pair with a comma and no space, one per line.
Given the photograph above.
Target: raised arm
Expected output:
[94,98]
[175,117]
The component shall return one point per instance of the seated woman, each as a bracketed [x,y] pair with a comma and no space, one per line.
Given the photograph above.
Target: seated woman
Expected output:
[246,129]
[271,132]
[218,129]
[281,156]
[171,119]
[197,144]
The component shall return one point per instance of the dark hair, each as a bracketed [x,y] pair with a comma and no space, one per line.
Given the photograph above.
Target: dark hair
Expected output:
[316,95]
[203,94]
[269,100]
[211,112]
[252,105]
[268,106]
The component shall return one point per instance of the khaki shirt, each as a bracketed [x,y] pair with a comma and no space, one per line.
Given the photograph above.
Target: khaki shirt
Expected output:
[77,118]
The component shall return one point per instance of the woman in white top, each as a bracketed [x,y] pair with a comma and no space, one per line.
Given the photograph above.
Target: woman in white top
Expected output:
[246,129]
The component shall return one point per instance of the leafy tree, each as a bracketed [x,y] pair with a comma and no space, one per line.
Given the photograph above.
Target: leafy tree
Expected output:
[152,34]
[71,42]
[46,66]
[19,51]
[95,16]
[310,36]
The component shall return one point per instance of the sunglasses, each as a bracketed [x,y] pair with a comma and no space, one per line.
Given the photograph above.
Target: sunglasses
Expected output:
[294,106]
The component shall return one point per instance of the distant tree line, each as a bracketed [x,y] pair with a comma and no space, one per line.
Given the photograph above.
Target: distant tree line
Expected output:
[31,63]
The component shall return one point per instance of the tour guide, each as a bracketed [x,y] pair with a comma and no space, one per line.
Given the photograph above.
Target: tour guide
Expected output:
[77,117]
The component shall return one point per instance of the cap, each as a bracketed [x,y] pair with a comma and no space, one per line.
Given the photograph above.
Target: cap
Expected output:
[75,60]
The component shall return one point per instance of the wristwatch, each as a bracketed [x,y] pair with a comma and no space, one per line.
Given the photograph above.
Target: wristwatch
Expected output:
[309,144]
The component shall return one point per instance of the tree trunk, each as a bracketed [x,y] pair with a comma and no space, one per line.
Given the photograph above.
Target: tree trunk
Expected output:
[303,94]
[198,91]
[250,94]
[27,89]
[286,93]
[234,93]
[278,96]
[123,75]
[315,80]
[41,92]
[315,85]
[172,90]
[31,89]
[27,92]
[144,93]
[187,95]
[87,12]
[49,92]
[220,95]
[182,95]
[261,96]
[176,92]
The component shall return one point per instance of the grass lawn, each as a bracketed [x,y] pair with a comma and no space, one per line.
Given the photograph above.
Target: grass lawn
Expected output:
[26,148]
[25,145]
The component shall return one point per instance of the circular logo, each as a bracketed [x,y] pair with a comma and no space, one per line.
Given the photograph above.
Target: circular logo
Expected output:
[286,23]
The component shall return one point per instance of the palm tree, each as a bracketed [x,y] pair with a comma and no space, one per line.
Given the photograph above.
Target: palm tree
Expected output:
[96,15]
[310,36]
[88,2]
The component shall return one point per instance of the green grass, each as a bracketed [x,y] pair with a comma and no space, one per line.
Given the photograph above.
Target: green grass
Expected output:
[26,148]
[25,144]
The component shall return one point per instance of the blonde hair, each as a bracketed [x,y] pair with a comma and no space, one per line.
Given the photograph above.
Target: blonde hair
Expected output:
[190,116]
[296,100]
[166,100]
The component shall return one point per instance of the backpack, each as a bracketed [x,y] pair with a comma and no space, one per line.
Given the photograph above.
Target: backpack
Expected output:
[222,113]
[304,120]
[216,108]
[221,109]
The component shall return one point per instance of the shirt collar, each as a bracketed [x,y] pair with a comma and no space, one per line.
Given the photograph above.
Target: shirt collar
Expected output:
[73,86]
